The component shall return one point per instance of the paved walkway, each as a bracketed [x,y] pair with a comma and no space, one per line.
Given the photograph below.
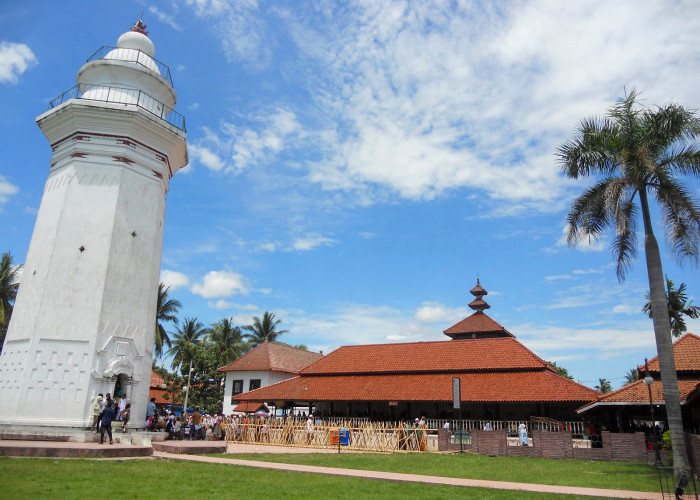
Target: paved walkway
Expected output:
[400,477]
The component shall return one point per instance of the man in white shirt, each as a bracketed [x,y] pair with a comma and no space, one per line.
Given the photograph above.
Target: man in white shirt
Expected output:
[121,406]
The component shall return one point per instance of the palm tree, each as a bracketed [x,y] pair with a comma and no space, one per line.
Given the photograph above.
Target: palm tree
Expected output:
[166,310]
[631,376]
[603,386]
[639,152]
[185,339]
[263,331]
[9,283]
[678,306]
[228,340]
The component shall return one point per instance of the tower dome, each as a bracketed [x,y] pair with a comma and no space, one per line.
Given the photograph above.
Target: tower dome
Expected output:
[128,74]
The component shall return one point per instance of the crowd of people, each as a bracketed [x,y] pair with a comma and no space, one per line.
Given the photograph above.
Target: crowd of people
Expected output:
[106,410]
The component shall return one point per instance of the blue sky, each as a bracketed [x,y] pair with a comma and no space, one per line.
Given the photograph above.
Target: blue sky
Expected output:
[355,165]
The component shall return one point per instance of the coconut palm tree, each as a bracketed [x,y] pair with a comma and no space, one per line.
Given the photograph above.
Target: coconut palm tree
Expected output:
[631,376]
[603,386]
[228,340]
[185,338]
[166,310]
[9,283]
[678,306]
[633,153]
[263,331]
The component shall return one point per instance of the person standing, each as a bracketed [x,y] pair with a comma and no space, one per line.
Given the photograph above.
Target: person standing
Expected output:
[126,415]
[96,411]
[107,417]
[122,406]
[522,433]
[309,429]
[150,412]
[196,424]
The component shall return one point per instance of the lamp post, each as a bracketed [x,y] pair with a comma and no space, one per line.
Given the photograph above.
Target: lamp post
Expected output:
[648,380]
[187,391]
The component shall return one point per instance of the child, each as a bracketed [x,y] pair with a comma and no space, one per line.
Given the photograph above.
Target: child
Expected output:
[125,416]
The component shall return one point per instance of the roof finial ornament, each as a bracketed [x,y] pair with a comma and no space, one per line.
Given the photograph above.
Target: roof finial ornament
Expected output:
[139,27]
[478,304]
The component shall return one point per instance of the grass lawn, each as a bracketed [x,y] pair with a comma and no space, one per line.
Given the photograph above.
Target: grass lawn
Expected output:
[613,475]
[29,478]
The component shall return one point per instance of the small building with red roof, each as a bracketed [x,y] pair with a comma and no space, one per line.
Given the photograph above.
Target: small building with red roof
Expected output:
[268,363]
[157,389]
[500,378]
[623,409]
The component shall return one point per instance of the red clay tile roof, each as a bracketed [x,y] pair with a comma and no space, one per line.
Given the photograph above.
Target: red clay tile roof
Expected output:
[158,394]
[488,387]
[478,322]
[273,356]
[250,407]
[156,380]
[637,392]
[443,356]
[686,351]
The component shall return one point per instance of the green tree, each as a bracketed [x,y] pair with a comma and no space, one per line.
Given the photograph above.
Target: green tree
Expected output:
[206,388]
[631,376]
[263,331]
[166,310]
[561,370]
[603,386]
[678,306]
[9,283]
[186,337]
[228,340]
[633,153]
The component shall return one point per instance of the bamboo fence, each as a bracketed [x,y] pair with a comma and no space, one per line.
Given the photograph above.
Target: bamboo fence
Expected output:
[364,436]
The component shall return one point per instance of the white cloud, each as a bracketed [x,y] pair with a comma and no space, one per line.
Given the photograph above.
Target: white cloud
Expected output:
[206,157]
[626,309]
[243,36]
[432,312]
[222,304]
[7,189]
[418,99]
[220,284]
[558,277]
[15,59]
[164,18]
[257,138]
[173,279]
[310,241]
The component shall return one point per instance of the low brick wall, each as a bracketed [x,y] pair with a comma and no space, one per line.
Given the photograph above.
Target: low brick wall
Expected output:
[619,447]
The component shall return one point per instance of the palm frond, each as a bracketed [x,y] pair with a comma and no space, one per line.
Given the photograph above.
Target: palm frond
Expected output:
[589,215]
[682,158]
[624,244]
[592,151]
[681,215]
[667,125]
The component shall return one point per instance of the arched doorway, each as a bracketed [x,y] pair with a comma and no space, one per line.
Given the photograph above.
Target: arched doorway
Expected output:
[122,385]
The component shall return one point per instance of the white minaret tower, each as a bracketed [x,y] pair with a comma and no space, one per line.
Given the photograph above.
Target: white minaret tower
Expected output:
[84,318]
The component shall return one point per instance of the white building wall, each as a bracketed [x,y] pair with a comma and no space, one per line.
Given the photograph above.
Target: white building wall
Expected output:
[266,378]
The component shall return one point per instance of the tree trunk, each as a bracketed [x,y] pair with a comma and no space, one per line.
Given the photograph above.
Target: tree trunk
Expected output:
[664,347]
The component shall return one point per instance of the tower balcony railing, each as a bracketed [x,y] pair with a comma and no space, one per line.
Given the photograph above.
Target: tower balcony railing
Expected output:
[121,95]
[132,55]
